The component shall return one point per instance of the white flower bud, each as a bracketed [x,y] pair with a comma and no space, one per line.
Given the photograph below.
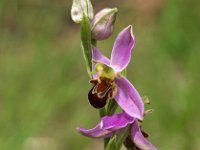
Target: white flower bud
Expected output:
[80,8]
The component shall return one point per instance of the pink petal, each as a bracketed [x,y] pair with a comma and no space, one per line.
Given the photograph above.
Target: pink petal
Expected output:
[121,52]
[97,56]
[139,140]
[108,126]
[116,122]
[96,132]
[129,99]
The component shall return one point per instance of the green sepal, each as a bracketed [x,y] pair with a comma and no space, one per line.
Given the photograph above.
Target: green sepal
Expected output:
[86,43]
[124,72]
[115,143]
[121,136]
[112,145]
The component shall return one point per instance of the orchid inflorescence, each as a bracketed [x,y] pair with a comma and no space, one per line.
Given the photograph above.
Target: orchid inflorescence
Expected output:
[110,86]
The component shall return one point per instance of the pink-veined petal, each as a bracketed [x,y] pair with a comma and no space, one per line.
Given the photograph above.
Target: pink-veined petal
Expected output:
[108,125]
[96,132]
[116,121]
[121,52]
[98,57]
[125,102]
[129,99]
[139,140]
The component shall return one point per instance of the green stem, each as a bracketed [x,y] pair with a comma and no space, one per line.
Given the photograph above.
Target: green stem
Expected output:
[112,106]
[117,140]
[102,112]
[106,141]
[121,136]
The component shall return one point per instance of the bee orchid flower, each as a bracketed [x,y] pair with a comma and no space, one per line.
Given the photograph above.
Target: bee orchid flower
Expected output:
[108,81]
[109,125]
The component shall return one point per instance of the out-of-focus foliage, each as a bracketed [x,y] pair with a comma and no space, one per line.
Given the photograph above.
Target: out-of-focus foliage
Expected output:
[44,83]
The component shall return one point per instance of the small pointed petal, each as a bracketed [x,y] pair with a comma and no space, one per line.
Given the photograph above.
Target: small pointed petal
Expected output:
[116,122]
[139,140]
[96,132]
[97,56]
[121,52]
[129,99]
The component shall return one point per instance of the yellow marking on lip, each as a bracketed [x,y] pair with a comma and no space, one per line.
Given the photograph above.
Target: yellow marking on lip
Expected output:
[99,80]
[104,71]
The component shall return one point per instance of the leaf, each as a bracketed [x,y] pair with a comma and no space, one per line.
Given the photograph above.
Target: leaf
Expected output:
[86,43]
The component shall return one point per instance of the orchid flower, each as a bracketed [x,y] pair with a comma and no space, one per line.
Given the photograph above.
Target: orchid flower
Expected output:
[108,79]
[109,125]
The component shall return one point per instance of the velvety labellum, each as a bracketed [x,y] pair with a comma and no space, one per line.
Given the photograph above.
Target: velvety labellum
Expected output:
[102,90]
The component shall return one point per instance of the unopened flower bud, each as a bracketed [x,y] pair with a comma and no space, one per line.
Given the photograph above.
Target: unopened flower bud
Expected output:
[80,8]
[103,23]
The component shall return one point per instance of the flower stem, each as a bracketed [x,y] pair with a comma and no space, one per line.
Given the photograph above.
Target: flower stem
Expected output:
[112,106]
[121,136]
[102,112]
[116,141]
[106,141]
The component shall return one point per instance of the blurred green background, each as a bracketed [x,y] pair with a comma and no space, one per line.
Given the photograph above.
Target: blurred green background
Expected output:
[44,84]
